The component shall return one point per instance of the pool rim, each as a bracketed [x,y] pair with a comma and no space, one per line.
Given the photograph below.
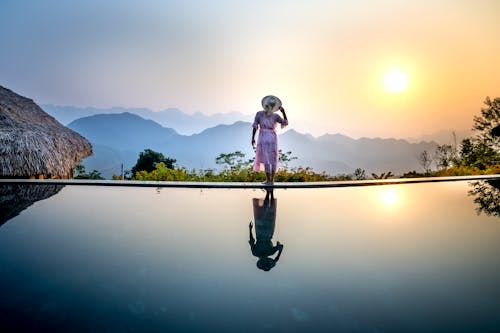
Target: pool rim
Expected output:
[243,185]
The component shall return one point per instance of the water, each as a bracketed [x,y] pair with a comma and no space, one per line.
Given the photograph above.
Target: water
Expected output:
[396,258]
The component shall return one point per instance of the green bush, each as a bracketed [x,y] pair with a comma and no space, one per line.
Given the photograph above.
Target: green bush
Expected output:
[163,173]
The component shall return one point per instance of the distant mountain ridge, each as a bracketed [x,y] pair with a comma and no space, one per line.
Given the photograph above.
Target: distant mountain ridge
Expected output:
[123,130]
[174,118]
[448,137]
[188,124]
[118,138]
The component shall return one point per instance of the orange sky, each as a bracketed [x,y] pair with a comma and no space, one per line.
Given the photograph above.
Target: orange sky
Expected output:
[326,60]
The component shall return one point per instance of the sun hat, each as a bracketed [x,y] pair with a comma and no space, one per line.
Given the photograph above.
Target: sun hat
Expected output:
[271,101]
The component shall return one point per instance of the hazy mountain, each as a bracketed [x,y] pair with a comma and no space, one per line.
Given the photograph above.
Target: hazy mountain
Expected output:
[109,160]
[124,130]
[443,137]
[174,118]
[118,138]
[200,150]
[195,123]
[336,153]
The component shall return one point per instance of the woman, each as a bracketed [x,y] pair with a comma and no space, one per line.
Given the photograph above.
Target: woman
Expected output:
[266,155]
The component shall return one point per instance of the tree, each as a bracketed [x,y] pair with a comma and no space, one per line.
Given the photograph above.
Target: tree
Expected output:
[359,174]
[79,170]
[81,174]
[477,153]
[383,175]
[486,125]
[127,174]
[444,156]
[425,160]
[149,158]
[484,148]
[94,174]
[285,158]
[232,161]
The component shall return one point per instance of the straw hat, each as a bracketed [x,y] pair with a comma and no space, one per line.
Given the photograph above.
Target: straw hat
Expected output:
[271,101]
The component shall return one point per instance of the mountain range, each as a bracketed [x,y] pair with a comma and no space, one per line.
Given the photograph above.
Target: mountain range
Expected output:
[118,138]
[188,124]
[183,123]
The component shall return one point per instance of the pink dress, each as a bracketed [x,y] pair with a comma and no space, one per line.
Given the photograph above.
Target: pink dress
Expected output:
[267,142]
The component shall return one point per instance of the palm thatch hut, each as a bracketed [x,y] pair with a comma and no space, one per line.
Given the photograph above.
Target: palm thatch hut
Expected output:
[33,144]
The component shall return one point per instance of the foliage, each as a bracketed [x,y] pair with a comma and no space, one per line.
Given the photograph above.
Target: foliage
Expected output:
[456,170]
[414,174]
[425,161]
[285,158]
[162,173]
[475,154]
[79,170]
[444,156]
[383,175]
[235,169]
[301,174]
[462,170]
[232,161]
[359,174]
[484,148]
[127,175]
[148,159]
[488,120]
[81,174]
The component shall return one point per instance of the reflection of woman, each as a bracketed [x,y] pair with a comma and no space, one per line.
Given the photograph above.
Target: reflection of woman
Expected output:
[264,212]
[266,154]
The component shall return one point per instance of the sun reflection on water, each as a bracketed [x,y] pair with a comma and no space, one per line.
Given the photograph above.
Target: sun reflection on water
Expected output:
[389,197]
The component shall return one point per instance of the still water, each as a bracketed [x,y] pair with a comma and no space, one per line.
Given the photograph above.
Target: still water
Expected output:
[392,258]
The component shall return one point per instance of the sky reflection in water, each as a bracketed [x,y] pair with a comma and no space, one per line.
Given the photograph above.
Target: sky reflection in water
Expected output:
[388,258]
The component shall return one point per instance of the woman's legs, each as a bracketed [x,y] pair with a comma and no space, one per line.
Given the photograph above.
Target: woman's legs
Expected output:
[268,178]
[270,171]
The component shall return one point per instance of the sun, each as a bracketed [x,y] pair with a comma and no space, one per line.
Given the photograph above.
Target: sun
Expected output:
[396,81]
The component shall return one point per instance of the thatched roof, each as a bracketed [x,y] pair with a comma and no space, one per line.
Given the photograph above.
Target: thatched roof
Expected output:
[33,142]
[16,198]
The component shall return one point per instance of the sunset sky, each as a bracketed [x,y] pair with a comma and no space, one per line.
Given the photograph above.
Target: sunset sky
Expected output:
[325,59]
